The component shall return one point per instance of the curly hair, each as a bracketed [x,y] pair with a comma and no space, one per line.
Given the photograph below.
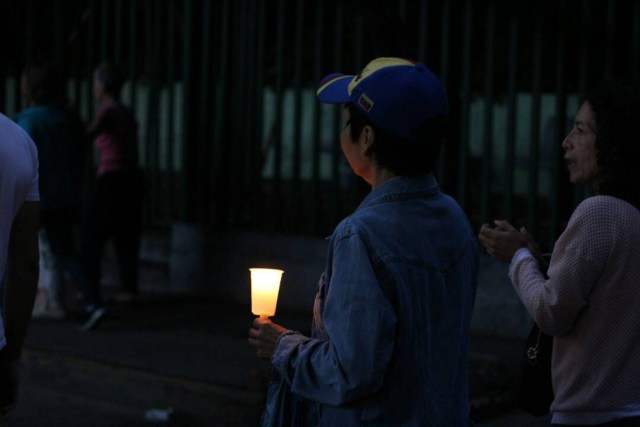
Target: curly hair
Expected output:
[616,108]
[402,157]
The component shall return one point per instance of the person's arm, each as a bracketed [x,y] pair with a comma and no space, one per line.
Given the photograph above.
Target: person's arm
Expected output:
[19,293]
[576,265]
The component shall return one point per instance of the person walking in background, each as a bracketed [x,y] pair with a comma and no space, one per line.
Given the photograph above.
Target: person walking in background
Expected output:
[18,250]
[57,133]
[390,335]
[591,299]
[115,208]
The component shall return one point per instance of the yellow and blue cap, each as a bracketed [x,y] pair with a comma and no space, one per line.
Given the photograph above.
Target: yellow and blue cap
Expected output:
[396,94]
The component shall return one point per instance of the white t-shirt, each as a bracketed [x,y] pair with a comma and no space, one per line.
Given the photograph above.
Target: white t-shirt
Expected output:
[18,183]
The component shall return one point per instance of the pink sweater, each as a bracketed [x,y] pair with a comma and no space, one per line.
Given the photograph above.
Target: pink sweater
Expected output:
[591,305]
[116,139]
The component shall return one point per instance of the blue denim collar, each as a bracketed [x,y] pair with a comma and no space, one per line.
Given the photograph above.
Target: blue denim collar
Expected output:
[402,188]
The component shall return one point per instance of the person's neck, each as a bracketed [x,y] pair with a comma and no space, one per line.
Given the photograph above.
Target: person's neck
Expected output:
[381,176]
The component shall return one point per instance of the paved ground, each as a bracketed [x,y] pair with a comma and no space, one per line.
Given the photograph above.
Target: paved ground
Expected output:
[190,355]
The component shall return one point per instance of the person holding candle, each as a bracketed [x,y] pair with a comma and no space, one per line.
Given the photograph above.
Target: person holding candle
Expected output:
[389,341]
[590,298]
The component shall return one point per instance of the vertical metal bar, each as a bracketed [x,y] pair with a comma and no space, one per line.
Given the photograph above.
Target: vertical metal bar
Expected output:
[58,35]
[118,33]
[585,38]
[90,49]
[402,9]
[511,116]
[133,40]
[186,100]
[153,122]
[445,37]
[316,111]
[104,31]
[423,19]
[244,86]
[487,148]
[248,58]
[205,88]
[73,67]
[609,49]
[355,182]
[240,150]
[357,42]
[297,133]
[220,85]
[30,30]
[217,21]
[170,168]
[255,142]
[634,64]
[148,66]
[277,140]
[532,217]
[335,148]
[444,75]
[584,79]
[464,104]
[561,116]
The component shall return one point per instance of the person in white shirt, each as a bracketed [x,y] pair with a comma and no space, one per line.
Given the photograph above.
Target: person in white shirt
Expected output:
[19,255]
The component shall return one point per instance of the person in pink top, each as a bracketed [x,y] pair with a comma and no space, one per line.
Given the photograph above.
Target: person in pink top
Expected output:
[115,209]
[590,301]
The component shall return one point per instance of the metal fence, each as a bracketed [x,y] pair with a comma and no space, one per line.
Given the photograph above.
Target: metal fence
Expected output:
[231,134]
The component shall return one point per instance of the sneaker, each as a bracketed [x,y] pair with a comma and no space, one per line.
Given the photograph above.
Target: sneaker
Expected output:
[91,319]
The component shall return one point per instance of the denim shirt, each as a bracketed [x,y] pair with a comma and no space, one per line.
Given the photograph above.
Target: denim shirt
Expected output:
[389,342]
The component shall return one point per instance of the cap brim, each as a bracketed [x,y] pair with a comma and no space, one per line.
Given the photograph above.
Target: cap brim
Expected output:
[334,89]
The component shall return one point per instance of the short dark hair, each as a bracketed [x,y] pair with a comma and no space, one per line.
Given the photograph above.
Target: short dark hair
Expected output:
[112,77]
[616,109]
[398,155]
[44,84]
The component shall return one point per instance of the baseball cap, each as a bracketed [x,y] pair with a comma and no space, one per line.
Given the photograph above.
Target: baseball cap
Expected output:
[396,94]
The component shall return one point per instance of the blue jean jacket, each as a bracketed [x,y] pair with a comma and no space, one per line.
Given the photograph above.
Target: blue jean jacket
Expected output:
[389,342]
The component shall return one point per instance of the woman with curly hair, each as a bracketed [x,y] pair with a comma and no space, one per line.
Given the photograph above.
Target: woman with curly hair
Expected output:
[590,298]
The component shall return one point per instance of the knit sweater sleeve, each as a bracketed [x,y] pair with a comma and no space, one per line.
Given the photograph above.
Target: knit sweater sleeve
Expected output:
[577,262]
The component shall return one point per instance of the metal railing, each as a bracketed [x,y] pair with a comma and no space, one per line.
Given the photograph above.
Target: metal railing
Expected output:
[231,134]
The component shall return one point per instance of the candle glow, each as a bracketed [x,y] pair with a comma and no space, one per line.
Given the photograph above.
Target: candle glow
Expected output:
[265,285]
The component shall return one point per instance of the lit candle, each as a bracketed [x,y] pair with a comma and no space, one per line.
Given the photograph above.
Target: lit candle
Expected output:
[265,284]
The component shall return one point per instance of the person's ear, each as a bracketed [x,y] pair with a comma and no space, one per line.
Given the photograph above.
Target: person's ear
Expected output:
[367,136]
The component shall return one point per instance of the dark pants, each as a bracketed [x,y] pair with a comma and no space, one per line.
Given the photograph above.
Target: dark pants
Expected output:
[114,212]
[624,422]
[58,226]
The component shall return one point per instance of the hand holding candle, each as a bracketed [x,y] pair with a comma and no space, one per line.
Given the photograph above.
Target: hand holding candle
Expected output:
[265,285]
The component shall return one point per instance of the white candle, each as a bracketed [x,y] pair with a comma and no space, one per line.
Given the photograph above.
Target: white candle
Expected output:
[265,284]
